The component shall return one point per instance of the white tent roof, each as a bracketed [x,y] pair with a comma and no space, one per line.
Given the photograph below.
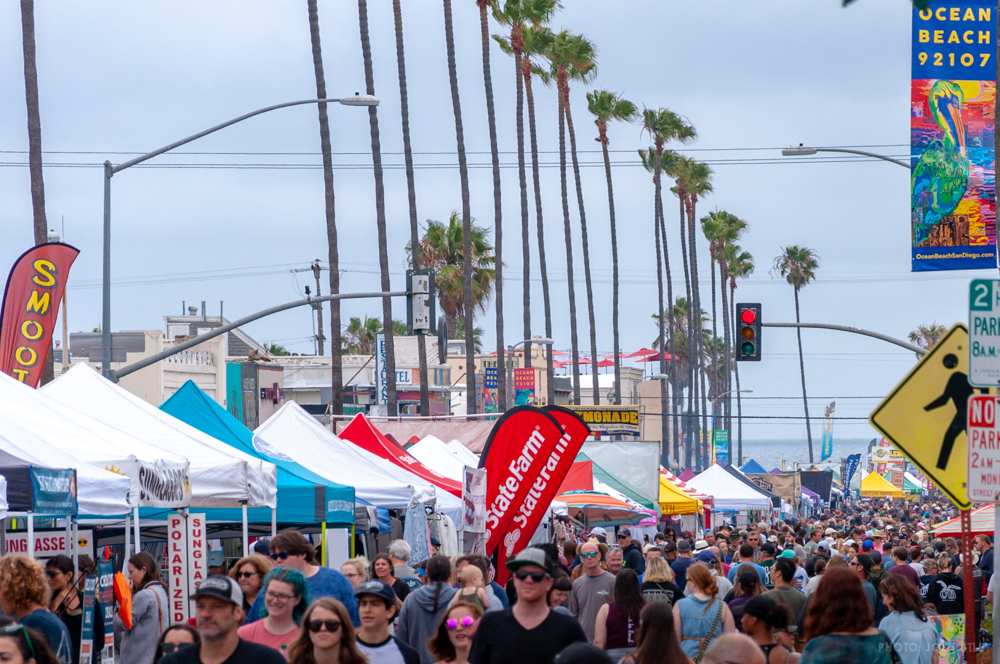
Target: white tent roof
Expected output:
[3,497]
[99,492]
[463,453]
[728,492]
[221,475]
[292,433]
[84,439]
[434,454]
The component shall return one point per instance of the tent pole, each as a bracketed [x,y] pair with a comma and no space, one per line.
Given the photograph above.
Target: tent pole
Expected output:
[75,533]
[31,534]
[325,554]
[69,541]
[274,521]
[135,528]
[128,539]
[246,534]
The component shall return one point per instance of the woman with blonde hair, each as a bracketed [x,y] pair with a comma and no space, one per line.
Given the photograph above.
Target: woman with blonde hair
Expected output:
[658,583]
[328,636]
[702,616]
[355,570]
[249,572]
[24,595]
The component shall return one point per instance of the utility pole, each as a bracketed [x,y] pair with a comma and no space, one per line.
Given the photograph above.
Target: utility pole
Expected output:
[320,337]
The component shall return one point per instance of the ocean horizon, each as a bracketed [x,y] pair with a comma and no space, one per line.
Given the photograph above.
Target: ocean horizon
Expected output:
[771,452]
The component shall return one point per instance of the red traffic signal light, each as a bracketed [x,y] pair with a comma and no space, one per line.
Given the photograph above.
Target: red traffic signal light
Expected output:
[748,335]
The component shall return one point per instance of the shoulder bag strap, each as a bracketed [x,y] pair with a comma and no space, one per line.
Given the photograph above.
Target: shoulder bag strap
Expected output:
[703,644]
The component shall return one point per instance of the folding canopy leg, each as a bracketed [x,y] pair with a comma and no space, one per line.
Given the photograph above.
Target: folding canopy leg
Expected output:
[75,543]
[31,534]
[128,539]
[135,528]
[274,521]
[246,533]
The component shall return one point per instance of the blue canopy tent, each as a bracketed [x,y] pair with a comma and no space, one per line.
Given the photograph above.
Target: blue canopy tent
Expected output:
[303,496]
[753,467]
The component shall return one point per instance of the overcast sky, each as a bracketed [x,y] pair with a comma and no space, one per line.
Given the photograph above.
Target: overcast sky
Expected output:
[754,76]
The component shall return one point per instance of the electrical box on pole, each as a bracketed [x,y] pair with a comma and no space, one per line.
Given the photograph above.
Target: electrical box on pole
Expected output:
[421,311]
[748,328]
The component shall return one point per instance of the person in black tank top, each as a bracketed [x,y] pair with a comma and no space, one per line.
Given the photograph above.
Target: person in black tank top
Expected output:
[761,616]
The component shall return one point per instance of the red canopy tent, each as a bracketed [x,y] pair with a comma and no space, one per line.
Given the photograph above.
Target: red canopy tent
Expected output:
[640,353]
[654,357]
[579,478]
[606,362]
[363,433]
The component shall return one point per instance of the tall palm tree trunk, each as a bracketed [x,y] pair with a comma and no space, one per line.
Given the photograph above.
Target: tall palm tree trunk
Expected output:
[699,356]
[736,374]
[329,200]
[529,97]
[727,349]
[40,226]
[383,250]
[568,236]
[522,182]
[802,373]
[463,171]
[675,385]
[690,435]
[411,193]
[664,420]
[484,30]
[615,333]
[586,250]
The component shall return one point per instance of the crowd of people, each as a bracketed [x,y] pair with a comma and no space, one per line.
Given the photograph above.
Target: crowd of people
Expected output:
[856,584]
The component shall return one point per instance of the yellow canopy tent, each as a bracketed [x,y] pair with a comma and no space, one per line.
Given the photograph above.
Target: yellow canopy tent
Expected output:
[674,501]
[876,486]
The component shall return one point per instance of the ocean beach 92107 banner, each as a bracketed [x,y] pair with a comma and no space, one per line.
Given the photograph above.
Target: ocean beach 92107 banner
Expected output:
[952,127]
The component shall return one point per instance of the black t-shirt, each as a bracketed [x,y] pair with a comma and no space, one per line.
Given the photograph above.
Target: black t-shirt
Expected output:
[946,594]
[500,639]
[245,653]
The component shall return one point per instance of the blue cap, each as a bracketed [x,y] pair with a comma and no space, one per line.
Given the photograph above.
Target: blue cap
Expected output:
[867,545]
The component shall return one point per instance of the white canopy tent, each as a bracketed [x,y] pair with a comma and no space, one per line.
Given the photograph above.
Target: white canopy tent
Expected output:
[99,492]
[159,478]
[221,475]
[463,453]
[294,434]
[434,454]
[729,493]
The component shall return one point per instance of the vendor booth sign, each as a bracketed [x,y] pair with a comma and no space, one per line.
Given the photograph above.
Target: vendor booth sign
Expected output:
[610,420]
[51,543]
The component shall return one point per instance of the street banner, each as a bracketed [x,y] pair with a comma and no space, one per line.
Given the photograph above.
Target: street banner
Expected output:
[31,300]
[524,386]
[720,446]
[178,564]
[87,630]
[952,156]
[106,592]
[381,380]
[607,420]
[526,458]
[197,546]
[853,462]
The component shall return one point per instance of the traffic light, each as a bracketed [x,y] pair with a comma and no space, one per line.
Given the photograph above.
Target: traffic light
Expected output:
[748,332]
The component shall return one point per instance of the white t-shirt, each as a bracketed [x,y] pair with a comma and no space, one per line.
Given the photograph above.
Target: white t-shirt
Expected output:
[389,651]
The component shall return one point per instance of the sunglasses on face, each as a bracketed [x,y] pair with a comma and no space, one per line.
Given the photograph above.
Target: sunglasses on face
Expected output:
[537,577]
[52,573]
[586,555]
[454,623]
[331,626]
[280,556]
[246,575]
[19,629]
[171,648]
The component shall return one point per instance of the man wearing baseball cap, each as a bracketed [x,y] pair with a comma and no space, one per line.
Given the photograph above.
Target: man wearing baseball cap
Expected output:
[529,632]
[377,608]
[219,612]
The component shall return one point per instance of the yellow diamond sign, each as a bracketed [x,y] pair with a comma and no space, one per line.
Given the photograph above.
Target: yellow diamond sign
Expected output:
[925,415]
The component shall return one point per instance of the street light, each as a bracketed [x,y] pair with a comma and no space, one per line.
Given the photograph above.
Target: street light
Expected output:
[110,169]
[806,151]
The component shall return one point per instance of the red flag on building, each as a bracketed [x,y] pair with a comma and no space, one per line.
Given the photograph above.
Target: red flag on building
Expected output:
[30,307]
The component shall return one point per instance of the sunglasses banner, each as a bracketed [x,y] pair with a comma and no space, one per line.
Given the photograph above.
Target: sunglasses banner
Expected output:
[527,456]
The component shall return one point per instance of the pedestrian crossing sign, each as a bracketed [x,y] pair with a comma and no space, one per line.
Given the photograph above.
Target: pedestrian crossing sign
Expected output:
[925,415]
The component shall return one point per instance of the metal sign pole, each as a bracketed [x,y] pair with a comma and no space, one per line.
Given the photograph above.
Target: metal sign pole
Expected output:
[968,595]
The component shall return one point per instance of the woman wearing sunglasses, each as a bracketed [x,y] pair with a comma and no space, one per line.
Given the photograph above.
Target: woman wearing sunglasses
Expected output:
[285,599]
[249,572]
[328,637]
[23,645]
[453,640]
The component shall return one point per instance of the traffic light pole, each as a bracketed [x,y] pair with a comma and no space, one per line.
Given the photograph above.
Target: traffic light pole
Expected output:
[201,338]
[853,330]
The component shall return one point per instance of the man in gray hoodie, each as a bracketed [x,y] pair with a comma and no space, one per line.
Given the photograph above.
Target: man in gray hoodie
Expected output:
[424,607]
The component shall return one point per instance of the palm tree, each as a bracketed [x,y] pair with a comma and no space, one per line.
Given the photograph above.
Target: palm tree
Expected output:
[40,225]
[926,336]
[517,14]
[463,174]
[721,229]
[415,259]
[359,337]
[604,106]
[443,250]
[484,33]
[573,58]
[477,334]
[333,252]
[739,265]
[383,249]
[798,265]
